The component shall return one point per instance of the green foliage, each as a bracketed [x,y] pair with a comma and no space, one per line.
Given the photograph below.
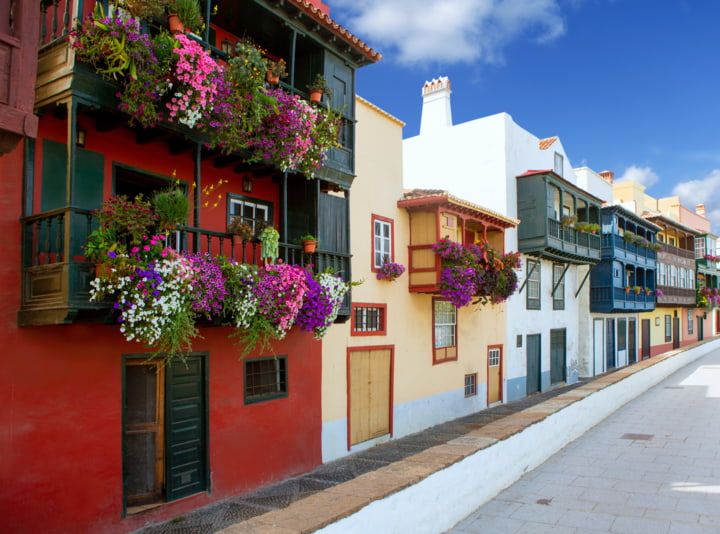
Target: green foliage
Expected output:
[189,13]
[128,221]
[99,243]
[171,206]
[320,84]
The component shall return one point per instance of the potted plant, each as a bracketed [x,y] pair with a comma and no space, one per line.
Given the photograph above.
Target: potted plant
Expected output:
[629,237]
[171,206]
[188,11]
[568,221]
[390,271]
[269,244]
[309,243]
[593,228]
[275,71]
[648,291]
[637,289]
[627,289]
[240,230]
[319,87]
[129,221]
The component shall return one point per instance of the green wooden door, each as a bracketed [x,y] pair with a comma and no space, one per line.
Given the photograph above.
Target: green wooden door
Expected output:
[557,356]
[532,352]
[186,421]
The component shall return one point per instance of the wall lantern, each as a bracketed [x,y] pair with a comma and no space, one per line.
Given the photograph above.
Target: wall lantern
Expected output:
[657,321]
[80,137]
[247,185]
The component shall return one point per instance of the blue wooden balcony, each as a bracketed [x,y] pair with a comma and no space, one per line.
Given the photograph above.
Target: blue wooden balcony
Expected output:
[614,247]
[615,299]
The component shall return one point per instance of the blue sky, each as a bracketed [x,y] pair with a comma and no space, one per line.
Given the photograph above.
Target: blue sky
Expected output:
[631,86]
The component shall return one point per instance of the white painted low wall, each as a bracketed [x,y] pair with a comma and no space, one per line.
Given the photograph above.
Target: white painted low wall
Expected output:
[441,500]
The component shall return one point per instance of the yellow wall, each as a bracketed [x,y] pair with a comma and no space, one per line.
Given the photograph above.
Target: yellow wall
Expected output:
[376,190]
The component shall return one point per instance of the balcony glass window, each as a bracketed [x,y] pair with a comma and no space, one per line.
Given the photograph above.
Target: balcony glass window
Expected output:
[255,212]
[558,164]
[691,326]
[662,274]
[699,247]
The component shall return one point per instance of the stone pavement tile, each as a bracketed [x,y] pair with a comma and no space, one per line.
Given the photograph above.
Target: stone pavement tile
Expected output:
[690,528]
[664,477]
[637,486]
[640,525]
[620,509]
[712,520]
[539,513]
[542,528]
[698,506]
[597,482]
[482,524]
[655,502]
[586,520]
[672,515]
[500,508]
[550,477]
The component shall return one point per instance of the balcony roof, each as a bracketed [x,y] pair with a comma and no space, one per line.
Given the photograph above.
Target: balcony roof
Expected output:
[559,178]
[660,218]
[420,199]
[637,219]
[369,55]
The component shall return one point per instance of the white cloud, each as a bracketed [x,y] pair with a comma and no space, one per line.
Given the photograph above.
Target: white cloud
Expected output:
[703,191]
[449,31]
[642,175]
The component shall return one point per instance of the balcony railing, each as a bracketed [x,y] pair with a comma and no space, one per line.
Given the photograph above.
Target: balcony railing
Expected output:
[615,247]
[611,299]
[57,275]
[570,241]
[676,296]
[676,251]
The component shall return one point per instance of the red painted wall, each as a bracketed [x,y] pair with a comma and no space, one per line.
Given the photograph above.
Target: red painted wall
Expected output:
[61,387]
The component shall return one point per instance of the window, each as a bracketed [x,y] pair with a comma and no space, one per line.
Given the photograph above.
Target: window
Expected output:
[382,241]
[533,284]
[254,212]
[368,319]
[164,430]
[668,328]
[471,385]
[265,379]
[445,331]
[662,274]
[699,247]
[558,166]
[559,293]
[691,325]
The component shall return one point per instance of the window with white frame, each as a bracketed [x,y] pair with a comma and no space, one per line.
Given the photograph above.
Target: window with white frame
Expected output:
[255,213]
[445,331]
[558,166]
[533,284]
[662,274]
[691,325]
[690,279]
[699,247]
[382,241]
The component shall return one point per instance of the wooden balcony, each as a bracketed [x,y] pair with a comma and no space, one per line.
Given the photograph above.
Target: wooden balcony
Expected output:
[676,296]
[564,244]
[616,299]
[615,248]
[56,275]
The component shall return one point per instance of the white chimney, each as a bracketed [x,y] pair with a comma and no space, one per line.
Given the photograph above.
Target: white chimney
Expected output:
[436,113]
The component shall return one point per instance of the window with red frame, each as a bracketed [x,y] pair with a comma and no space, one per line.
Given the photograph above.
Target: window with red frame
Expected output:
[368,319]
[444,331]
[382,241]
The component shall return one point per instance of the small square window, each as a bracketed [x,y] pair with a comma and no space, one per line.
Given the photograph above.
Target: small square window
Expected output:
[368,319]
[265,379]
[471,385]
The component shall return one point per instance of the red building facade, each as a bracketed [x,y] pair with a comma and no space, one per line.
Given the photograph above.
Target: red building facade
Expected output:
[95,435]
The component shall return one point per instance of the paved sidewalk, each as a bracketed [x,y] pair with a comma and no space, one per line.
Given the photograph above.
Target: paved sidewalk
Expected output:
[651,467]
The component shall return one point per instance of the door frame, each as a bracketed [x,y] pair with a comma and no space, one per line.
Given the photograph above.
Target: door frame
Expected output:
[539,362]
[391,402]
[500,378]
[563,367]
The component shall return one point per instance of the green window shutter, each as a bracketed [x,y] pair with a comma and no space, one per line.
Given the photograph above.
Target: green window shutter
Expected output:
[54,158]
[186,423]
[89,178]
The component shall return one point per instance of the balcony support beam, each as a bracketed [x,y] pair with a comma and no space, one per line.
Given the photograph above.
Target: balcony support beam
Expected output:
[587,275]
[562,277]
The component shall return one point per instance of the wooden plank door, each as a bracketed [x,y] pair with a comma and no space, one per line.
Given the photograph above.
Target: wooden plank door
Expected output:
[369,400]
[557,356]
[144,435]
[494,374]
[645,338]
[532,355]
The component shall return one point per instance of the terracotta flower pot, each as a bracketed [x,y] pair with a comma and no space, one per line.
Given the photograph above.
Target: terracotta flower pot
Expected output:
[316,96]
[272,78]
[175,25]
[309,246]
